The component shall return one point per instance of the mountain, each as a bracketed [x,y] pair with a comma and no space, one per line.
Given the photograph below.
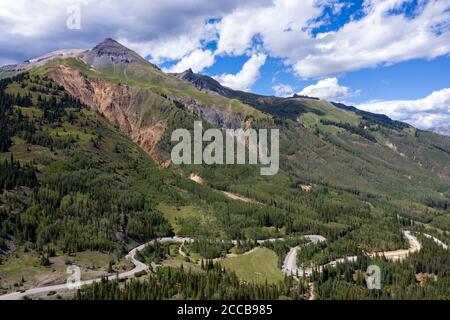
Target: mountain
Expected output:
[345,133]
[286,107]
[274,105]
[117,82]
[322,143]
[443,130]
[86,171]
[202,82]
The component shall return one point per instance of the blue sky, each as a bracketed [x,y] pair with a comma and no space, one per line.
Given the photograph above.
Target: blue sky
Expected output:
[386,56]
[410,79]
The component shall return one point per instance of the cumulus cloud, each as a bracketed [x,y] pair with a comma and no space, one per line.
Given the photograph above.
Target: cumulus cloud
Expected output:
[283,90]
[425,113]
[380,37]
[280,26]
[162,29]
[328,89]
[245,78]
[384,35]
[172,30]
[196,60]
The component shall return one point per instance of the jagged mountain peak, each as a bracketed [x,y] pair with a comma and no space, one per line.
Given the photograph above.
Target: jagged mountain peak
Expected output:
[110,52]
[202,82]
[109,46]
[188,71]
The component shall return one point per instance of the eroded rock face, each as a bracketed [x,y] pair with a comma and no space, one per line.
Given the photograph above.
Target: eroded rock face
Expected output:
[220,117]
[115,102]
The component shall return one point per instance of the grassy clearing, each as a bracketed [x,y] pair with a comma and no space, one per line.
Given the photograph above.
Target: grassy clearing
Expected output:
[23,270]
[175,214]
[257,266]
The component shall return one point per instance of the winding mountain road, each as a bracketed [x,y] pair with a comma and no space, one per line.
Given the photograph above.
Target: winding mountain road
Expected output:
[290,262]
[138,267]
[436,240]
[289,266]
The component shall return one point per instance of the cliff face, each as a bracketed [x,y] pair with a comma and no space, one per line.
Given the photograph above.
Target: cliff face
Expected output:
[221,117]
[116,103]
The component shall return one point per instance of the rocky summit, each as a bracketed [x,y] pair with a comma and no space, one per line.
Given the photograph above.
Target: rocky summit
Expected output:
[109,53]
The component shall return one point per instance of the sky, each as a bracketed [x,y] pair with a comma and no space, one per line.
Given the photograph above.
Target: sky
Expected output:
[384,56]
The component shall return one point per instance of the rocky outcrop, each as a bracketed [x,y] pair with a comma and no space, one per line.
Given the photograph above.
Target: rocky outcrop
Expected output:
[218,116]
[115,102]
[109,52]
[203,83]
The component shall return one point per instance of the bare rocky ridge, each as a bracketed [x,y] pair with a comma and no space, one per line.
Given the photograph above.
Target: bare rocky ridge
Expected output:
[40,61]
[202,82]
[109,52]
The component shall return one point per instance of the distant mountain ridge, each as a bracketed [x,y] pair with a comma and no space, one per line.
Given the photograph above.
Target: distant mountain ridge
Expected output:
[109,52]
[13,69]
[285,105]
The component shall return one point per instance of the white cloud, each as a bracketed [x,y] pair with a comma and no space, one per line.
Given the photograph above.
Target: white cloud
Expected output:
[245,78]
[283,90]
[279,26]
[161,50]
[384,35]
[431,111]
[380,37]
[173,30]
[328,89]
[165,29]
[196,60]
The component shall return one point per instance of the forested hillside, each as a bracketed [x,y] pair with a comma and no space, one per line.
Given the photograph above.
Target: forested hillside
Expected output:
[83,185]
[211,283]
